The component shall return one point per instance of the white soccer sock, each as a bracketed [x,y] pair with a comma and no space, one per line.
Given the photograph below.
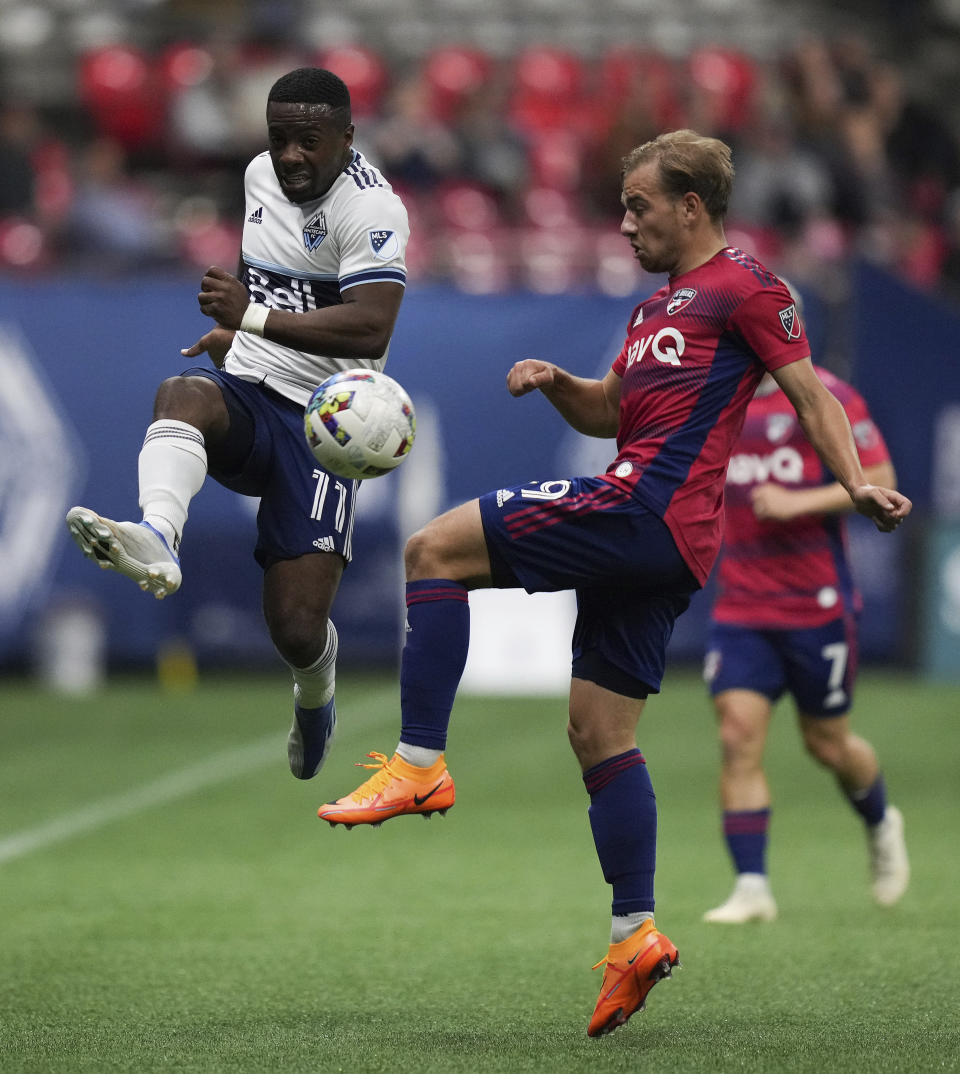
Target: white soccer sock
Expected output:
[314,686]
[624,925]
[419,756]
[753,883]
[172,467]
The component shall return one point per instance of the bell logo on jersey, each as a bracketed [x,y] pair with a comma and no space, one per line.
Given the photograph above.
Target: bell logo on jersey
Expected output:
[666,346]
[385,245]
[784,465]
[315,231]
[679,299]
[791,322]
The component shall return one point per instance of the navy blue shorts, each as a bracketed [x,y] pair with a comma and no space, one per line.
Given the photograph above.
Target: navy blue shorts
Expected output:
[303,508]
[587,535]
[817,666]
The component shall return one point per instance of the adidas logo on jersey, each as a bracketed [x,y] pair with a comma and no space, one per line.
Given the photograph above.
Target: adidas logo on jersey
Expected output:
[256,217]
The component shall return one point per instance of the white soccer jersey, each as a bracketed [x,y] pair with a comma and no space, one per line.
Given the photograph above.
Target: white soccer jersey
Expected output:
[303,257]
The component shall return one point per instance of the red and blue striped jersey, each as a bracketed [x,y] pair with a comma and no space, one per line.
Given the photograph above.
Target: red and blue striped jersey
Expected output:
[792,574]
[694,354]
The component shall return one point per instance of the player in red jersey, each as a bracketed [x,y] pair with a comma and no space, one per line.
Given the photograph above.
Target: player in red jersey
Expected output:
[634,542]
[785,621]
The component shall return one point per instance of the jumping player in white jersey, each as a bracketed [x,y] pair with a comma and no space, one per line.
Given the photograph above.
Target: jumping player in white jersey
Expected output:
[321,279]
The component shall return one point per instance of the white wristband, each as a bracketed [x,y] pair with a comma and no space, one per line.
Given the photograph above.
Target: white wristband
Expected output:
[254,318]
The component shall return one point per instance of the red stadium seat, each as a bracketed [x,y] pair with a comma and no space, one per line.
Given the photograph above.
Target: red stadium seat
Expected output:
[475,262]
[549,89]
[615,268]
[364,72]
[724,81]
[556,159]
[204,239]
[23,247]
[121,91]
[554,262]
[183,65]
[453,73]
[629,75]
[548,208]
[53,184]
[468,207]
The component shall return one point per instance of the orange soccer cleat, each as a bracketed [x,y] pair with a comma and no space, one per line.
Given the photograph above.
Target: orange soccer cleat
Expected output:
[633,967]
[395,788]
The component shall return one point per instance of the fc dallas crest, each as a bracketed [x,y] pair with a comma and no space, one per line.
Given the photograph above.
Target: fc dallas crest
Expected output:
[679,299]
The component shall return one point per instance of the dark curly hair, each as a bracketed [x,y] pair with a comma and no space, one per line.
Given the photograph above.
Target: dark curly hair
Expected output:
[313,85]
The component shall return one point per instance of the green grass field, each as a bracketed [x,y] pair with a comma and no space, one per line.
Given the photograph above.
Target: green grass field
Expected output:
[169,900]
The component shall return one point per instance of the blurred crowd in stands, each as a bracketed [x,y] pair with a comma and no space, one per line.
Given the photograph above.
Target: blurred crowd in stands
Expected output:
[509,166]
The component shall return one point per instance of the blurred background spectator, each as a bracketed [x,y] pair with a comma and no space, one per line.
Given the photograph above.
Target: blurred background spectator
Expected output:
[124,126]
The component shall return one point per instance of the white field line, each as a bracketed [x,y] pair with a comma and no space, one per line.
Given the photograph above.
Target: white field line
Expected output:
[218,768]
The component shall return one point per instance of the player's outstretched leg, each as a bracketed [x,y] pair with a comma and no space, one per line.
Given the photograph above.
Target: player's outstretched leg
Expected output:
[396,787]
[889,865]
[310,737]
[750,900]
[633,967]
[133,549]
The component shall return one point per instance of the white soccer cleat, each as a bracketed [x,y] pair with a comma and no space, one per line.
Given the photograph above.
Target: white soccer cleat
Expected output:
[751,900]
[310,736]
[134,549]
[889,865]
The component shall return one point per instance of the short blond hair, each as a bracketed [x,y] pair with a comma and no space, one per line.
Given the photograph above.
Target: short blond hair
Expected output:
[689,163]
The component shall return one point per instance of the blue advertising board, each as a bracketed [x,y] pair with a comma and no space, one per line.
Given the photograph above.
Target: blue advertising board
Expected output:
[80,362]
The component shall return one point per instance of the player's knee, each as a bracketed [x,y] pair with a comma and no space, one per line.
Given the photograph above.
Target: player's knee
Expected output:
[194,400]
[298,635]
[581,742]
[592,743]
[422,555]
[825,748]
[739,737]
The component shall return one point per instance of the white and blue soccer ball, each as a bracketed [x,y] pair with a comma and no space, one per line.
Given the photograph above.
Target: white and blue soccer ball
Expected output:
[360,424]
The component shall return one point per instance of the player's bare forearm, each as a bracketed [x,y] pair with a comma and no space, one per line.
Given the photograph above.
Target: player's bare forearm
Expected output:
[342,331]
[777,503]
[829,431]
[358,327]
[826,426]
[586,405]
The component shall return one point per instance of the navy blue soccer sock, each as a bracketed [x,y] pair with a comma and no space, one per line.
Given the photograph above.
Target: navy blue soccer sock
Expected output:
[745,831]
[434,656]
[623,817]
[870,803]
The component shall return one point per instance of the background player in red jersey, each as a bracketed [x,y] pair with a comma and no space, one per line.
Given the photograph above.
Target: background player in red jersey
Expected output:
[785,621]
[634,542]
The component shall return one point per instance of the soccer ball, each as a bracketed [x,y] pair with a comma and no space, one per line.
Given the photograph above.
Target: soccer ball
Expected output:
[360,424]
